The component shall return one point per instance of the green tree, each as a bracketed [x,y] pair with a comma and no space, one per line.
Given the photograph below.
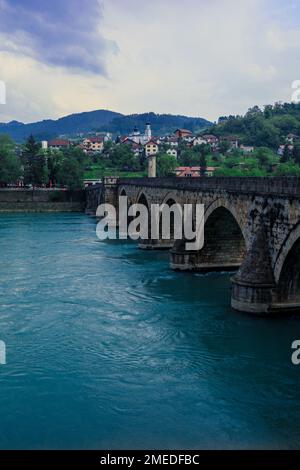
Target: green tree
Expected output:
[166,165]
[288,169]
[122,158]
[224,146]
[188,157]
[204,151]
[10,165]
[35,163]
[263,156]
[70,173]
[54,160]
[203,162]
[296,153]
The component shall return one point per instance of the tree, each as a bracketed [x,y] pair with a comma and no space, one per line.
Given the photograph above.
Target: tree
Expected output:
[296,153]
[166,165]
[202,161]
[55,160]
[288,169]
[70,173]
[189,158]
[224,146]
[35,163]
[203,165]
[263,156]
[10,165]
[122,158]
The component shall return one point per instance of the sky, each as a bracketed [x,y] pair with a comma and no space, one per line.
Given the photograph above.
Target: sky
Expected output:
[206,58]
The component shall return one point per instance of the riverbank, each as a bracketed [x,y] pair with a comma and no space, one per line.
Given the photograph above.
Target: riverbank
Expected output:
[41,200]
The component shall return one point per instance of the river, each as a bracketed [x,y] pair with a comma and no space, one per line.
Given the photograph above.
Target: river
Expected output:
[108,348]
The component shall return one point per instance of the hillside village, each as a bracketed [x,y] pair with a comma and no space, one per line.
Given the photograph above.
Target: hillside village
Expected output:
[185,150]
[261,143]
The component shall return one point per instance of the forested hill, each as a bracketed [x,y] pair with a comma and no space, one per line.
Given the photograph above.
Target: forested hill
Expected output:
[68,125]
[268,127]
[101,120]
[160,123]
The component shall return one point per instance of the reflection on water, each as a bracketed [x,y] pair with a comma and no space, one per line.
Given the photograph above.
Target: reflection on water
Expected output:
[108,348]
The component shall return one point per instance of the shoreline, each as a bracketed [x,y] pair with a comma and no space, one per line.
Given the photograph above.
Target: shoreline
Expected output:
[41,200]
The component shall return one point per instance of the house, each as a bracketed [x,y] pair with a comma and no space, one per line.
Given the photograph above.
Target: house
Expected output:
[282,147]
[93,144]
[136,149]
[151,148]
[247,149]
[187,171]
[172,152]
[233,141]
[106,136]
[210,139]
[210,170]
[199,141]
[59,144]
[91,182]
[193,171]
[173,141]
[184,134]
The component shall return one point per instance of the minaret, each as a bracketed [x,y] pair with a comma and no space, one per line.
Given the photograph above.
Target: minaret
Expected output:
[148,133]
[152,166]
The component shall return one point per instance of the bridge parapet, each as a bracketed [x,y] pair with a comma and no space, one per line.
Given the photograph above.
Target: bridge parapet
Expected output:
[288,186]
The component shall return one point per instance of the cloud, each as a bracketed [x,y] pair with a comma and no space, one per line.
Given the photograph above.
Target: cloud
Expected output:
[60,33]
[199,57]
[202,57]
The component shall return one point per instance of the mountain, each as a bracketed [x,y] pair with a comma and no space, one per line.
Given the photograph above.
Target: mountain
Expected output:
[48,129]
[160,123]
[101,120]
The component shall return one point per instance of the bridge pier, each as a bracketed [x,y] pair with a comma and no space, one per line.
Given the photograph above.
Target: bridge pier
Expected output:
[254,287]
[204,260]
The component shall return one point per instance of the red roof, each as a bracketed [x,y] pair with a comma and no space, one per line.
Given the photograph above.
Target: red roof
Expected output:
[59,143]
[184,131]
[95,140]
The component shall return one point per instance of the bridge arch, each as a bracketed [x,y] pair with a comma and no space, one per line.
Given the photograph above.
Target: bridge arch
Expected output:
[122,192]
[225,204]
[169,200]
[224,241]
[171,197]
[289,248]
[142,198]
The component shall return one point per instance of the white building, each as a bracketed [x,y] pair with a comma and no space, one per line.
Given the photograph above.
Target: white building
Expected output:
[172,152]
[139,138]
[199,141]
[151,148]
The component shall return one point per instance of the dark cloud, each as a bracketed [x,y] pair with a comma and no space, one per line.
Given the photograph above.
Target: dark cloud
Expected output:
[59,32]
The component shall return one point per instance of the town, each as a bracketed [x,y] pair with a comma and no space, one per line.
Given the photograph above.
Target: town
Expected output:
[83,159]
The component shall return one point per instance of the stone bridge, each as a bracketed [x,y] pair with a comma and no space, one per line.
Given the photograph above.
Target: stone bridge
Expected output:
[252,227]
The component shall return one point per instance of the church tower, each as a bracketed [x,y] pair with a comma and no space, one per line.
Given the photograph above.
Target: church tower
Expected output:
[148,133]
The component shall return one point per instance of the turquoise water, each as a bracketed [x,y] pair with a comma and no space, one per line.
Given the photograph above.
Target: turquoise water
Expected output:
[108,348]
